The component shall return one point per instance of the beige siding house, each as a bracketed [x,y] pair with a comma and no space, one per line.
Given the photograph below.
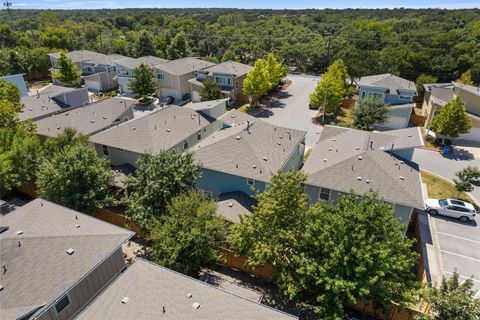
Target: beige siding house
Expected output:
[55,260]
[126,66]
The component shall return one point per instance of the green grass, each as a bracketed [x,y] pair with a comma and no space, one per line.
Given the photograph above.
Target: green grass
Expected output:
[439,188]
[244,108]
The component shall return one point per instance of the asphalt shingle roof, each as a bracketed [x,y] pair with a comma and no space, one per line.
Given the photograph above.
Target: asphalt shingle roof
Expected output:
[388,81]
[249,148]
[348,159]
[157,292]
[40,270]
[155,132]
[230,67]
[86,56]
[184,65]
[87,120]
[132,63]
[231,205]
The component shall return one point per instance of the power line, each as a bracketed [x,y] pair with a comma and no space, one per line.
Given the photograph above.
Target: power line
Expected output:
[9,11]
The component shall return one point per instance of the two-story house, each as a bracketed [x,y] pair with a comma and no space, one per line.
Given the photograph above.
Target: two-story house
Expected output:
[346,160]
[19,81]
[55,260]
[98,69]
[397,92]
[173,76]
[228,75]
[126,66]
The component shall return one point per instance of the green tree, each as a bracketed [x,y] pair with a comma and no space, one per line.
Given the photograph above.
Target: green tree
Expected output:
[424,79]
[368,112]
[67,70]
[178,47]
[67,138]
[466,78]
[452,301]
[75,177]
[229,55]
[466,179]
[335,78]
[276,70]
[189,235]
[7,36]
[157,180]
[210,90]
[270,233]
[452,120]
[143,82]
[257,81]
[10,105]
[352,250]
[144,45]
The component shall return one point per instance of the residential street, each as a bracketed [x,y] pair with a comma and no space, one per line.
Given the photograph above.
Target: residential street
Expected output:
[446,167]
[291,110]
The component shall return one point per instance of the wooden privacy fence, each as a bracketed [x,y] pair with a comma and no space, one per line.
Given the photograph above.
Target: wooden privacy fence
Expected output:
[417,120]
[232,260]
[117,219]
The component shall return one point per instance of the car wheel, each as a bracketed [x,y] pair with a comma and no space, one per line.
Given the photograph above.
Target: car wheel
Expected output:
[433,212]
[464,219]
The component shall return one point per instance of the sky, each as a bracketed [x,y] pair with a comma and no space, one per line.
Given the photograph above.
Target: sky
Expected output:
[248,4]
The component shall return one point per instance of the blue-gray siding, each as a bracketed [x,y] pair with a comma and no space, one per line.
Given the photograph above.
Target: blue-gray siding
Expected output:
[219,182]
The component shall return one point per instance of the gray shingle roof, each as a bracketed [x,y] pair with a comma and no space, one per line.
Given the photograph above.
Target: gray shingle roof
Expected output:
[132,63]
[472,89]
[40,270]
[184,65]
[231,68]
[87,120]
[343,159]
[387,81]
[205,105]
[45,102]
[442,96]
[86,56]
[155,132]
[151,289]
[231,205]
[255,153]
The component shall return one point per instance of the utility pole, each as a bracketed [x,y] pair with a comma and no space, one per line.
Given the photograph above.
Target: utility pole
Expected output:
[9,11]
[325,103]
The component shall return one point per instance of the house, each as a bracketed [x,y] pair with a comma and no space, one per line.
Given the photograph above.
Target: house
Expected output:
[55,260]
[244,153]
[213,108]
[87,120]
[173,76]
[346,160]
[98,69]
[126,66]
[18,80]
[149,291]
[397,92]
[228,75]
[51,100]
[169,128]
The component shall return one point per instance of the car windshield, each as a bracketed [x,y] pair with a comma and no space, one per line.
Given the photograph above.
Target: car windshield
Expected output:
[443,202]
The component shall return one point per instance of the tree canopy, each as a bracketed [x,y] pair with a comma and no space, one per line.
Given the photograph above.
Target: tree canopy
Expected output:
[144,45]
[424,79]
[257,81]
[67,72]
[452,120]
[210,90]
[467,179]
[368,112]
[143,82]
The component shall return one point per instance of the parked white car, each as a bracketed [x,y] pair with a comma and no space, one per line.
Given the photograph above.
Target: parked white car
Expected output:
[454,208]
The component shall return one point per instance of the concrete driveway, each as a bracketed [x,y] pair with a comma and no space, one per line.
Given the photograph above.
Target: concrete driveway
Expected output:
[447,166]
[291,109]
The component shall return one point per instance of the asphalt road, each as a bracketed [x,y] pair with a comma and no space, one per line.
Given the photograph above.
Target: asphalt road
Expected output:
[291,109]
[446,166]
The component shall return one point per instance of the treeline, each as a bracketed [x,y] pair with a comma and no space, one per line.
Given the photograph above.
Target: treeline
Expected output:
[407,42]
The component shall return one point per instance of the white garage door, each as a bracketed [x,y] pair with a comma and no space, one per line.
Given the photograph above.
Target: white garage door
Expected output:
[196,96]
[93,85]
[170,92]
[395,123]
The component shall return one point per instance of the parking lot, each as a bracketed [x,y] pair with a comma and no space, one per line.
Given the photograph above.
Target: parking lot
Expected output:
[458,246]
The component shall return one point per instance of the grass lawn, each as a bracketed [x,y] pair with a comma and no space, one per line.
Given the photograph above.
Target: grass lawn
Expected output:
[439,188]
[430,143]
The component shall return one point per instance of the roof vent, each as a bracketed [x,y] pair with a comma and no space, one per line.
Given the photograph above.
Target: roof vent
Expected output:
[58,128]
[134,128]
[360,158]
[124,300]
[92,121]
[77,226]
[359,178]
[230,204]
[325,160]
[168,130]
[279,143]
[66,113]
[401,161]
[367,181]
[1,287]
[265,158]
[189,295]
[196,305]
[330,149]
[357,148]
[237,137]
[254,166]
[334,139]
[70,251]
[104,117]
[19,232]
[402,178]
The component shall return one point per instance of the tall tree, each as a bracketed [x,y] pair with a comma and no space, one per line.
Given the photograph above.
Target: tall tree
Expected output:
[178,47]
[257,81]
[75,177]
[453,300]
[67,72]
[466,179]
[452,120]
[144,45]
[210,90]
[369,112]
[67,138]
[229,55]
[276,70]
[424,79]
[157,180]
[335,78]
[143,82]
[466,78]
[188,236]
[10,105]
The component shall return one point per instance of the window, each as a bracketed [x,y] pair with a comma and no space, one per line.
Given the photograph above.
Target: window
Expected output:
[105,150]
[206,194]
[325,194]
[223,81]
[62,304]
[375,95]
[124,72]
[199,135]
[125,119]
[363,94]
[160,76]
[87,69]
[250,182]
[185,144]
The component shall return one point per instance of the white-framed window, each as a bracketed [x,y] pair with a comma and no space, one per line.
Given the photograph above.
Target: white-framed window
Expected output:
[123,72]
[185,144]
[404,97]
[62,304]
[206,194]
[375,95]
[325,194]
[105,150]
[226,81]
[87,69]
[250,182]
[125,119]
[160,76]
